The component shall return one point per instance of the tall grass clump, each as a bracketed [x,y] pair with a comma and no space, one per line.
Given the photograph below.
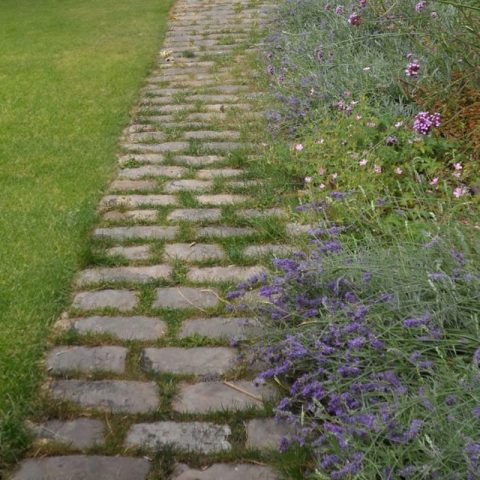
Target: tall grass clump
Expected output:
[376,350]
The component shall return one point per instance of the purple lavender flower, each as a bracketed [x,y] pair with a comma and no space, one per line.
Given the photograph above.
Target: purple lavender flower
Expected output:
[476,412]
[420,6]
[417,321]
[339,10]
[413,69]
[424,122]
[270,69]
[362,3]
[476,356]
[354,19]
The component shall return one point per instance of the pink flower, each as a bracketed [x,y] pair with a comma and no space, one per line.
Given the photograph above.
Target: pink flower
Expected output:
[321,186]
[398,171]
[339,10]
[298,147]
[399,124]
[354,19]
[363,162]
[459,192]
[377,169]
[412,69]
[334,176]
[308,180]
[321,171]
[434,181]
[457,174]
[458,166]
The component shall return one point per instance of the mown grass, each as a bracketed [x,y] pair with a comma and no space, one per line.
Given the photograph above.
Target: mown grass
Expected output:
[70,72]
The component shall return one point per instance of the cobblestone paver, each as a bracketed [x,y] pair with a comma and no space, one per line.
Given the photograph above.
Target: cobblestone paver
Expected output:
[147,354]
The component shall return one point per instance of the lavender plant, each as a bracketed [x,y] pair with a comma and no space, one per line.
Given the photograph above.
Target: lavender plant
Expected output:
[377,351]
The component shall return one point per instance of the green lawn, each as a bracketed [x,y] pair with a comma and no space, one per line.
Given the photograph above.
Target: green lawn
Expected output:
[69,72]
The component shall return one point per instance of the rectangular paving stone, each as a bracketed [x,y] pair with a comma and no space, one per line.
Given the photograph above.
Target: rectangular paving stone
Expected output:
[212,135]
[224,232]
[222,146]
[193,252]
[221,327]
[221,199]
[124,328]
[146,137]
[123,274]
[83,467]
[186,297]
[195,361]
[225,471]
[297,229]
[254,251]
[133,185]
[122,300]
[219,172]
[141,158]
[207,397]
[266,433]
[187,185]
[134,201]
[223,274]
[195,214]
[249,213]
[134,215]
[137,252]
[198,159]
[87,359]
[152,171]
[80,433]
[199,437]
[117,396]
[213,98]
[156,147]
[137,232]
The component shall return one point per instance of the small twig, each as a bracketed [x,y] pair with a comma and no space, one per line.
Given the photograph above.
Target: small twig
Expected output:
[242,390]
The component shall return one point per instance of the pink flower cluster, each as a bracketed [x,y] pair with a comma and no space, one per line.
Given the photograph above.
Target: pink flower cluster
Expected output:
[354,19]
[425,121]
[412,69]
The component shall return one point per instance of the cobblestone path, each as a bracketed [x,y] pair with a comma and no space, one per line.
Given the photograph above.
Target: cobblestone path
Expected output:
[142,366]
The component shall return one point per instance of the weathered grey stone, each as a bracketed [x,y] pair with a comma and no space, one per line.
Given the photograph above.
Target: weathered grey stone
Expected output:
[79,433]
[198,160]
[223,274]
[297,229]
[186,297]
[153,171]
[266,433]
[117,396]
[194,252]
[195,214]
[201,437]
[124,274]
[253,251]
[133,185]
[83,467]
[135,215]
[137,232]
[140,252]
[221,327]
[219,172]
[207,116]
[157,147]
[125,328]
[212,135]
[134,201]
[122,300]
[221,199]
[146,137]
[216,396]
[222,146]
[243,184]
[87,359]
[187,185]
[141,158]
[195,361]
[222,232]
[213,98]
[225,471]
